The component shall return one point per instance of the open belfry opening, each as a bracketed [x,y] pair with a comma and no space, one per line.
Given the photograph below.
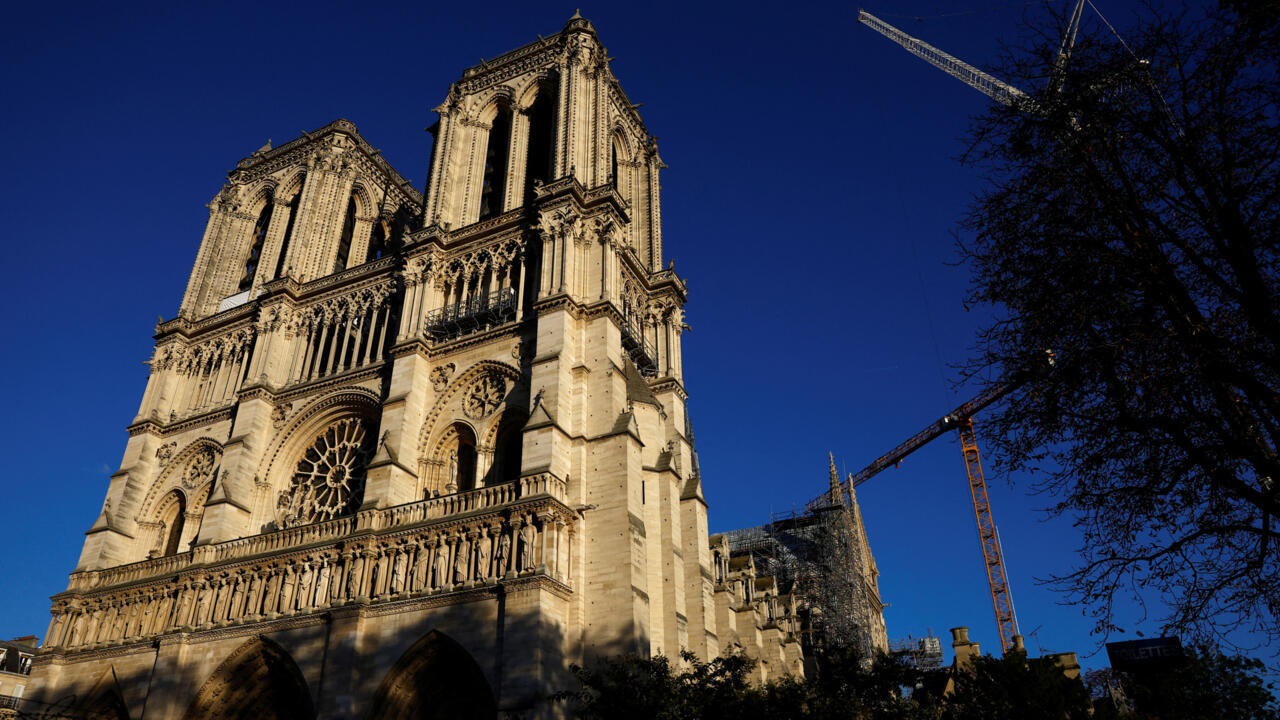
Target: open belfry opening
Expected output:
[409,454]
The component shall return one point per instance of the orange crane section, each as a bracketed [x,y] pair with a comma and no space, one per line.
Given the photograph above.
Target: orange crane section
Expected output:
[1001,599]
[960,420]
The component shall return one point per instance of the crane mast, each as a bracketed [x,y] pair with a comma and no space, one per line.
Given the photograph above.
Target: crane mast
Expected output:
[992,556]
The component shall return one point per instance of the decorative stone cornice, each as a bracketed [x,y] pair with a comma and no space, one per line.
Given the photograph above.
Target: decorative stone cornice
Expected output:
[155,426]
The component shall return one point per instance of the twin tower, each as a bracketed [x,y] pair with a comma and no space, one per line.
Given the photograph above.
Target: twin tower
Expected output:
[407,455]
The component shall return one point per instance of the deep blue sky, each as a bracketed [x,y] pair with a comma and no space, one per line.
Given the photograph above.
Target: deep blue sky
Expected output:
[810,201]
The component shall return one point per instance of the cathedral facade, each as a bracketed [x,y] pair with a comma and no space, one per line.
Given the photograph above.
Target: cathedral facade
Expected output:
[412,455]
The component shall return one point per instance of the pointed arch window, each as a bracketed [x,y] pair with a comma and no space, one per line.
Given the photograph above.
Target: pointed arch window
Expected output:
[613,164]
[174,522]
[377,241]
[495,165]
[288,235]
[344,240]
[255,250]
[463,458]
[540,153]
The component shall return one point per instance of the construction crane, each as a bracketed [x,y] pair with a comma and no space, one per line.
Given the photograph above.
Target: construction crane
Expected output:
[961,419]
[992,87]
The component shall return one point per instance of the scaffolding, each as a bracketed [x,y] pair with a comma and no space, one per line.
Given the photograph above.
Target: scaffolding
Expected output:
[922,653]
[821,555]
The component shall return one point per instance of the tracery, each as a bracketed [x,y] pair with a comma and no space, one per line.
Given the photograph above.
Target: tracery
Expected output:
[329,479]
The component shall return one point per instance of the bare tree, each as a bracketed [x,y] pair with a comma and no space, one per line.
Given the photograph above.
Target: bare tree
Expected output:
[1132,226]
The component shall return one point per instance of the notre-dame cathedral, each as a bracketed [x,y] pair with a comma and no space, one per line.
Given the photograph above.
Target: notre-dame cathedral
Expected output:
[412,455]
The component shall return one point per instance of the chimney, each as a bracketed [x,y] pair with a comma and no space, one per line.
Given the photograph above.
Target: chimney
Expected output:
[1068,663]
[1018,645]
[965,649]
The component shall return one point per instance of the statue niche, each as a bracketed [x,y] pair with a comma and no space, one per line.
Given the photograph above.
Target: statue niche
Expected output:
[328,481]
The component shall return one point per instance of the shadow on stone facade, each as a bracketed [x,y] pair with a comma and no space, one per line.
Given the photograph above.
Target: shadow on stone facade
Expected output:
[258,680]
[435,678]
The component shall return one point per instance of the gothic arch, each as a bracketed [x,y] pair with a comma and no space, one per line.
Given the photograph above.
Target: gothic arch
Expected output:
[291,185]
[300,433]
[259,680]
[620,137]
[499,98]
[261,193]
[175,476]
[438,420]
[533,86]
[365,206]
[436,678]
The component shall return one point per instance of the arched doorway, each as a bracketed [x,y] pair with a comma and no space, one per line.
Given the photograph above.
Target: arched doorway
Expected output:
[435,679]
[259,681]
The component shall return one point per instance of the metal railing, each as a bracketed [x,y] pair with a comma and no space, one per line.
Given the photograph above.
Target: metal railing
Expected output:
[472,314]
[642,353]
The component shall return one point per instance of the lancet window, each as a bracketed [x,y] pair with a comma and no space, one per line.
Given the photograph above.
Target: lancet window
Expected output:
[462,460]
[377,241]
[288,235]
[342,333]
[255,249]
[173,522]
[344,240]
[213,370]
[541,137]
[494,189]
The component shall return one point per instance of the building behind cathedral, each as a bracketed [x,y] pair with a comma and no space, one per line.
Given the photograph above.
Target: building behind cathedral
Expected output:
[407,455]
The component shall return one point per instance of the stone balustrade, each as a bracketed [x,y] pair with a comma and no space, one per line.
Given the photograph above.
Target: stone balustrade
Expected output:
[523,530]
[431,509]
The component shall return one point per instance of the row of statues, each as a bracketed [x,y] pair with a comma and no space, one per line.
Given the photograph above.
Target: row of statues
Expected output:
[386,570]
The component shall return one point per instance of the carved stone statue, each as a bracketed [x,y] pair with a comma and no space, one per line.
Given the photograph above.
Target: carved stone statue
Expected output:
[335,581]
[528,535]
[452,486]
[353,579]
[504,554]
[441,566]
[288,584]
[304,585]
[398,571]
[220,601]
[255,595]
[421,567]
[283,502]
[202,606]
[482,558]
[462,561]
[322,583]
[77,630]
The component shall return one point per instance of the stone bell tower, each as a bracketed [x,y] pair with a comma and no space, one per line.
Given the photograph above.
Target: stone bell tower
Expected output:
[400,449]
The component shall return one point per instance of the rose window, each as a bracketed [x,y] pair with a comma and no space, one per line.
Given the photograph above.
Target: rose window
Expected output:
[485,397]
[329,481]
